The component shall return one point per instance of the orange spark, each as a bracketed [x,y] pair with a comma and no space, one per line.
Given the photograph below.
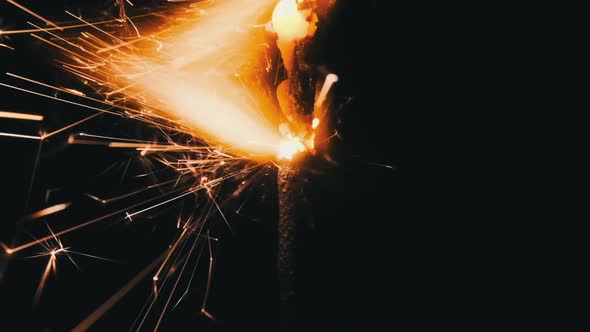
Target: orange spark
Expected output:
[20,136]
[48,211]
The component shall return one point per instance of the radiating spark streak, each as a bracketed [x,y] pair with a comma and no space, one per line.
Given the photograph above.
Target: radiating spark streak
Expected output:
[69,126]
[79,226]
[72,92]
[76,55]
[198,235]
[153,298]
[19,135]
[21,116]
[25,9]
[114,138]
[205,161]
[122,14]
[98,42]
[192,191]
[60,99]
[221,212]
[327,138]
[116,46]
[209,278]
[96,198]
[116,198]
[91,256]
[134,27]
[163,148]
[46,272]
[74,26]
[47,211]
[94,26]
[75,141]
[382,165]
[139,143]
[115,298]
[6,46]
[72,259]
[173,290]
[157,275]
[66,41]
[190,281]
[142,146]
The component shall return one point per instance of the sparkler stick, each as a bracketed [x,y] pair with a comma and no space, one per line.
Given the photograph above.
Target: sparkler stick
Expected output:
[294,22]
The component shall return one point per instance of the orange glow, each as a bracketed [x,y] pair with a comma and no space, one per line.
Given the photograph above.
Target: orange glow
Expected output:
[48,211]
[290,146]
[315,123]
[291,25]
[20,116]
[195,77]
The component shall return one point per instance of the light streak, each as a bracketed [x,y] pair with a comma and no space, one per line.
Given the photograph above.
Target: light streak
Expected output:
[20,136]
[20,116]
[48,211]
[6,46]
[70,126]
[115,298]
[59,99]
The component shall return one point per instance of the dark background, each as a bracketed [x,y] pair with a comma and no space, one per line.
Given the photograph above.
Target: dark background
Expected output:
[454,235]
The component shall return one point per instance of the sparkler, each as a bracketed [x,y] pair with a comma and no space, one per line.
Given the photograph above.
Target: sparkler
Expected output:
[200,78]
[293,24]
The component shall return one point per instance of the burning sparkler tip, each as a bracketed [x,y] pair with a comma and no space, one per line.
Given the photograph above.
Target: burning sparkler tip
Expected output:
[290,146]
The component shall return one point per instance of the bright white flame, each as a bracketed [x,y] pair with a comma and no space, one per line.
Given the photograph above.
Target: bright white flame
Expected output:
[290,146]
[289,22]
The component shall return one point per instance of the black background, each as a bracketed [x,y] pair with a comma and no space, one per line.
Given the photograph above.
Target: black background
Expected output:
[455,235]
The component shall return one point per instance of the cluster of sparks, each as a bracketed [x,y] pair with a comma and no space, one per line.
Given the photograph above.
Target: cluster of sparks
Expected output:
[198,79]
